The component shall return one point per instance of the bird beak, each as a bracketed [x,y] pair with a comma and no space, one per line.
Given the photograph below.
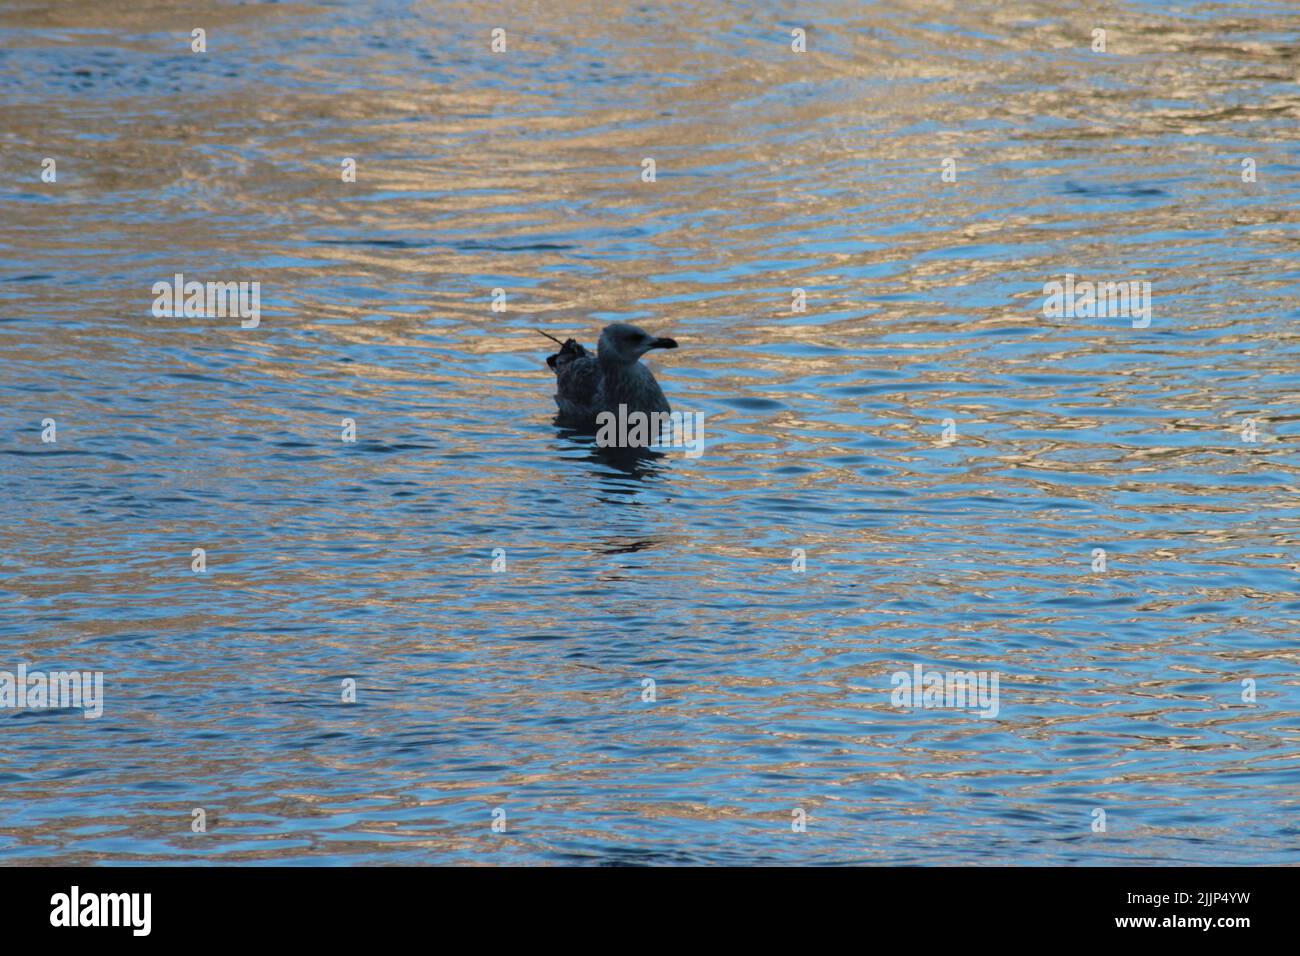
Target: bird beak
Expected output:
[664,344]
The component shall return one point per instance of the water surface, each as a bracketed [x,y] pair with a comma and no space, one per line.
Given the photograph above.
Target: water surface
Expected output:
[522,689]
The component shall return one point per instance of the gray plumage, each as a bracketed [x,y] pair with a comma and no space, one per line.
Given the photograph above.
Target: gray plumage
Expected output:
[586,384]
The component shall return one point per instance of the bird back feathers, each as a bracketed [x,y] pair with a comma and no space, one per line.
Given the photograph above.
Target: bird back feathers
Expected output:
[569,351]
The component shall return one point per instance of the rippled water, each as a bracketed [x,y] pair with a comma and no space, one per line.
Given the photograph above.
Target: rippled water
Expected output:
[326,560]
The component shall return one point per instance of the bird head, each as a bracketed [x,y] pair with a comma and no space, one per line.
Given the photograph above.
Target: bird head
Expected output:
[625,343]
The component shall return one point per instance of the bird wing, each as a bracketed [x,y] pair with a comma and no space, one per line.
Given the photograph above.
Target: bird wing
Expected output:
[578,380]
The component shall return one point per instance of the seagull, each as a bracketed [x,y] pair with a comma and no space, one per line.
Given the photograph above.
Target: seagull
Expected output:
[586,384]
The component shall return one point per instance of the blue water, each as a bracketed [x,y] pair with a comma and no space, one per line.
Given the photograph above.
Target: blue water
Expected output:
[522,689]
